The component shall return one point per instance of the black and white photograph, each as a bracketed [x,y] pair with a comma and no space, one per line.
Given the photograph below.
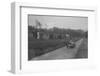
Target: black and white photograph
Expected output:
[55,37]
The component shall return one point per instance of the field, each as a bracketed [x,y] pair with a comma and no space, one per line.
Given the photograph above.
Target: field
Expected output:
[38,47]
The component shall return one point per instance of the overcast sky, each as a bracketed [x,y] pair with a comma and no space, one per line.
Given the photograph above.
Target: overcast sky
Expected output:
[60,22]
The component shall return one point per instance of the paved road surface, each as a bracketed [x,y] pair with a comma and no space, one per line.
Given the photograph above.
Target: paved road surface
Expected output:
[61,53]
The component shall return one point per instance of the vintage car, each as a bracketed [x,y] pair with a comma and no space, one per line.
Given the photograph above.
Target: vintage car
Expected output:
[70,44]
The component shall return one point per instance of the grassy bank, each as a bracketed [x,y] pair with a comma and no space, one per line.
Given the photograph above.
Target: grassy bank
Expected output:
[83,50]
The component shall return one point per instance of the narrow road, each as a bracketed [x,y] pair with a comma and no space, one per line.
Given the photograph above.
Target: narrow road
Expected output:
[61,53]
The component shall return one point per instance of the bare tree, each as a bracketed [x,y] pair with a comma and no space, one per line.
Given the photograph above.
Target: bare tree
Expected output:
[38,24]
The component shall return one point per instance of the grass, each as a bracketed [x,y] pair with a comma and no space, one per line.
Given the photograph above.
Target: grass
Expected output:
[83,50]
[38,47]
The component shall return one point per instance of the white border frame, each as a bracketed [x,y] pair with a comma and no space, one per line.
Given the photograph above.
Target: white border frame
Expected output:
[17,33]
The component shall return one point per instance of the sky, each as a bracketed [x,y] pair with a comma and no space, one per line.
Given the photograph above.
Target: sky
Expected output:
[67,22]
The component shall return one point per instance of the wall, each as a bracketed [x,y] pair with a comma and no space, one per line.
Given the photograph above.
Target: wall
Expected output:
[5,36]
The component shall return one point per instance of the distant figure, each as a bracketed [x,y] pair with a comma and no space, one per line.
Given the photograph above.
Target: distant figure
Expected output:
[34,34]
